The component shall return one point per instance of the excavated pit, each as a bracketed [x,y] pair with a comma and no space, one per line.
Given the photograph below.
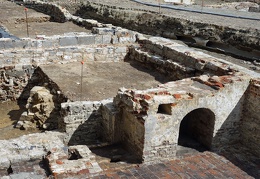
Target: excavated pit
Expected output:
[101,80]
[96,81]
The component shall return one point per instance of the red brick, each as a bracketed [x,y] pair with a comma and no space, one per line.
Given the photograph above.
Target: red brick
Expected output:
[84,171]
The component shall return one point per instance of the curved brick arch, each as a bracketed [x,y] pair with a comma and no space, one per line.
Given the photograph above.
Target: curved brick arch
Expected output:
[197,129]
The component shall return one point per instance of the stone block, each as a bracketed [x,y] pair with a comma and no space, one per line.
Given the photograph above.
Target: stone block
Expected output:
[20,43]
[129,39]
[89,57]
[103,31]
[86,40]
[121,50]
[49,43]
[106,39]
[4,162]
[90,50]
[68,41]
[9,44]
[98,39]
[26,117]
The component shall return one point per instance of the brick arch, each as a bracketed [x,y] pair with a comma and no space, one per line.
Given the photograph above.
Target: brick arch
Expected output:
[197,129]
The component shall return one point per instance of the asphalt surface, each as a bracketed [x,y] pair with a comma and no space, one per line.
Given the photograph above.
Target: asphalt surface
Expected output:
[206,10]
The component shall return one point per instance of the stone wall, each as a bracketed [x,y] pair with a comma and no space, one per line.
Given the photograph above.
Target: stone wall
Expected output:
[58,13]
[13,80]
[82,122]
[63,49]
[174,59]
[250,126]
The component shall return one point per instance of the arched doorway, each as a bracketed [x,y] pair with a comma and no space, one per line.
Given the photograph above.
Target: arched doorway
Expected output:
[196,129]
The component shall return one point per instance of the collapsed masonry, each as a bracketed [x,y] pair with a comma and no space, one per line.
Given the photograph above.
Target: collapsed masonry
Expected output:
[208,104]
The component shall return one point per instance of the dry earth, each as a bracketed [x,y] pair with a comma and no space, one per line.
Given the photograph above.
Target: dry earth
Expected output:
[101,80]
[10,113]
[13,18]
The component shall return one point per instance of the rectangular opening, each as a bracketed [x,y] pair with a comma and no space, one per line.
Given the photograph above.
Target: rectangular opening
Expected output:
[164,109]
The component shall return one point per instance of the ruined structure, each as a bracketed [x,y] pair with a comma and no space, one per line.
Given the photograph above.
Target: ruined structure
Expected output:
[208,103]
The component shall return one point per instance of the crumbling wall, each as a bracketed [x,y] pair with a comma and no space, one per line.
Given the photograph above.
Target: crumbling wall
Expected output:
[250,122]
[58,13]
[13,80]
[39,112]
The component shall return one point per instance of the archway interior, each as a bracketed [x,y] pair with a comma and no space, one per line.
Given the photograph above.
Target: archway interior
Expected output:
[196,129]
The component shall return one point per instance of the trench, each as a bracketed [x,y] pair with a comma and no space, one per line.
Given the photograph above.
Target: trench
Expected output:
[242,53]
[148,24]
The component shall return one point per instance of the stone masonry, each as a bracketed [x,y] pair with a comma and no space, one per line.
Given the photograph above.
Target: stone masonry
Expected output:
[208,104]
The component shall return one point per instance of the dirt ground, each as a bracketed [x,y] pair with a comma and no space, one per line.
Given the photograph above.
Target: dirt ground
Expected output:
[10,113]
[101,80]
[13,18]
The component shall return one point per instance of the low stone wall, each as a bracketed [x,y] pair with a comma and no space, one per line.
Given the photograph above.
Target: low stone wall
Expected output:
[63,55]
[176,60]
[58,13]
[250,125]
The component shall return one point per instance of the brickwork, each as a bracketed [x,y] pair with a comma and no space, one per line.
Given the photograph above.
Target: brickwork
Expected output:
[204,165]
[250,126]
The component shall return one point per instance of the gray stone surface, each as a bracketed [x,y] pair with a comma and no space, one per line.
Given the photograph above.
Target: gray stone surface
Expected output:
[68,41]
[24,175]
[28,147]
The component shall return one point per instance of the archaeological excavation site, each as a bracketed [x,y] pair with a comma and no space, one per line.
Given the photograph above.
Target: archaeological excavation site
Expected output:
[129,89]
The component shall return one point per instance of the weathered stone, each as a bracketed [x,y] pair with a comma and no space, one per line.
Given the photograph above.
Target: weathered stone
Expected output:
[68,41]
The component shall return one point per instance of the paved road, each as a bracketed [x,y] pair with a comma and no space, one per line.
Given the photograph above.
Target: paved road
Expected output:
[206,10]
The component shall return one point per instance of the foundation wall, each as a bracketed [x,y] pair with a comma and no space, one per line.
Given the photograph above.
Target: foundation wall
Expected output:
[82,122]
[61,49]
[250,126]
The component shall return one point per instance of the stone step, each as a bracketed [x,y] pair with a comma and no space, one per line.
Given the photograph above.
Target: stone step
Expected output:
[174,70]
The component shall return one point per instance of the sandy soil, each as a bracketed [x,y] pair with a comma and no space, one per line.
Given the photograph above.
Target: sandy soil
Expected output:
[10,113]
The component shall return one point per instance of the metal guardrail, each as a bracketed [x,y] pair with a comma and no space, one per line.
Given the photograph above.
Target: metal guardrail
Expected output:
[202,11]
